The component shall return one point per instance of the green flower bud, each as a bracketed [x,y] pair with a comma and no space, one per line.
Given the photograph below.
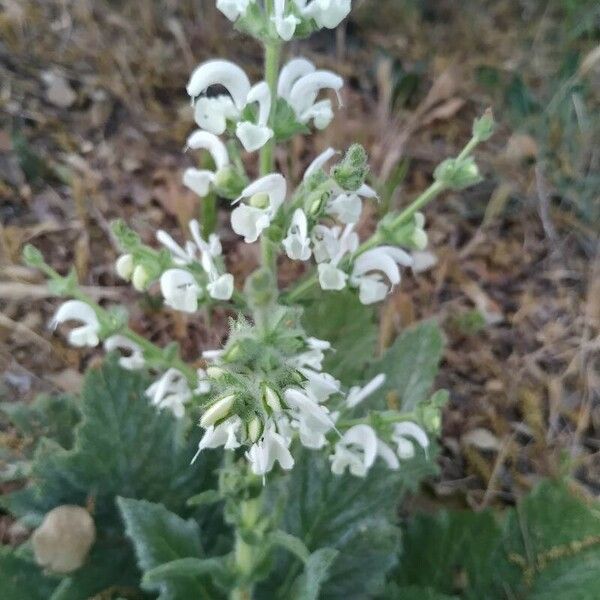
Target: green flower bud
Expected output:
[272,399]
[352,171]
[254,429]
[458,174]
[483,128]
[140,278]
[260,200]
[215,372]
[124,266]
[315,203]
[217,411]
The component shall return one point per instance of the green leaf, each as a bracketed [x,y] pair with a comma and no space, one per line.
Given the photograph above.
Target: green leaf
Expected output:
[285,123]
[458,552]
[393,592]
[341,319]
[123,446]
[290,543]
[308,585]
[21,579]
[186,568]
[547,548]
[345,513]
[160,537]
[411,364]
[558,536]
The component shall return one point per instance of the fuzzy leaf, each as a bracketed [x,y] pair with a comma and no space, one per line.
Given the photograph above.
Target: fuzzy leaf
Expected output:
[21,579]
[341,319]
[160,537]
[345,513]
[285,123]
[547,548]
[316,568]
[122,447]
[411,364]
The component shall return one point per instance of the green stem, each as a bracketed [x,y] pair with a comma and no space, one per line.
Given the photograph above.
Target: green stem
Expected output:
[389,417]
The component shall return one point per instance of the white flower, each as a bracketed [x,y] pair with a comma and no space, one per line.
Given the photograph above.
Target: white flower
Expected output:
[75,310]
[124,266]
[313,357]
[327,245]
[406,449]
[217,411]
[233,9]
[357,394]
[297,242]
[272,448]
[224,434]
[212,113]
[266,196]
[256,136]
[357,450]
[180,290]
[365,273]
[311,418]
[285,26]
[345,207]
[135,360]
[200,180]
[326,13]
[170,392]
[300,83]
[179,255]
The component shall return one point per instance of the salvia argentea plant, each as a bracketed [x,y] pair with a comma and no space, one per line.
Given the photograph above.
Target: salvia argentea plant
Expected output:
[265,392]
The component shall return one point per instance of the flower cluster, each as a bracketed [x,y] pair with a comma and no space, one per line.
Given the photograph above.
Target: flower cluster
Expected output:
[266,389]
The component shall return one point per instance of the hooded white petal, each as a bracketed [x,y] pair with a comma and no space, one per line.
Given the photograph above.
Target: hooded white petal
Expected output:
[224,434]
[222,72]
[75,310]
[319,162]
[322,385]
[180,290]
[297,242]
[307,410]
[405,430]
[306,89]
[290,73]
[198,180]
[357,394]
[212,114]
[274,185]
[135,360]
[249,222]
[204,140]
[356,450]
[372,289]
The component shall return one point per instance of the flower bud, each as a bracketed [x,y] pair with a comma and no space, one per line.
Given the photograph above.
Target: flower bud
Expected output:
[272,399]
[458,174]
[351,173]
[124,266]
[483,128]
[62,542]
[140,278]
[254,429]
[260,200]
[215,372]
[217,411]
[32,256]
